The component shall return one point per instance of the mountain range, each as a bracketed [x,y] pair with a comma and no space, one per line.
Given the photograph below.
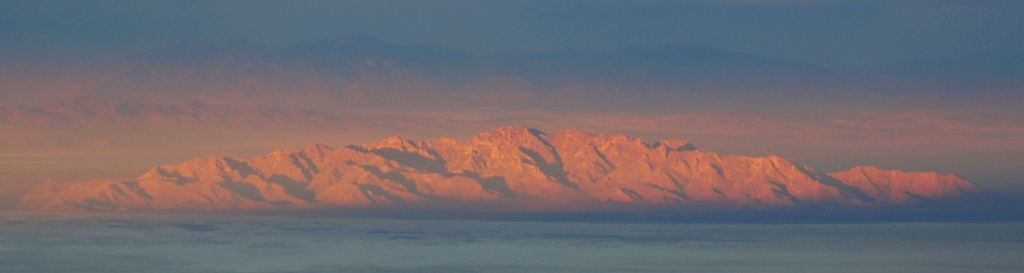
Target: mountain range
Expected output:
[507,169]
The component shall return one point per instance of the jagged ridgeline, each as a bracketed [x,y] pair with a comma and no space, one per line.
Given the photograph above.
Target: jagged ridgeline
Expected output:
[511,168]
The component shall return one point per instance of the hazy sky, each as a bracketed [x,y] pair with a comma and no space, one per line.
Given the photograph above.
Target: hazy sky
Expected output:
[835,34]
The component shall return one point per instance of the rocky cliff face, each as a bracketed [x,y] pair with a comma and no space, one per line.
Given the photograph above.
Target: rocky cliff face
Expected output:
[514,167]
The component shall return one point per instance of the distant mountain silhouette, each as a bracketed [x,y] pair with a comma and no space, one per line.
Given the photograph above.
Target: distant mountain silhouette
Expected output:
[508,169]
[360,70]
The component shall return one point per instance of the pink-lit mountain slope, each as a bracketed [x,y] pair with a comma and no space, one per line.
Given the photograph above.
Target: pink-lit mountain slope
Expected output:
[512,168]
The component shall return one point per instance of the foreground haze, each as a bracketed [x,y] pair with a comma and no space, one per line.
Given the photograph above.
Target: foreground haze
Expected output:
[518,168]
[101,243]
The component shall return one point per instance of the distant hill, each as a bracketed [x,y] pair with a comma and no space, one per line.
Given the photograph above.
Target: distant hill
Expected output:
[363,71]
